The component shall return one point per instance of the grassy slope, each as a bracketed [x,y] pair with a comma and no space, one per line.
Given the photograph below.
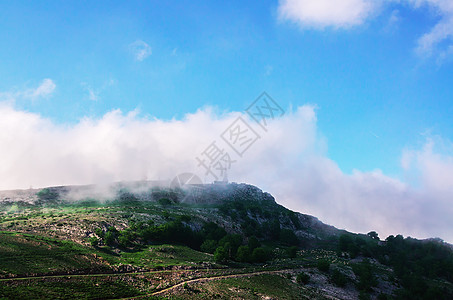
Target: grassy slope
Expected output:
[30,255]
[53,239]
[39,245]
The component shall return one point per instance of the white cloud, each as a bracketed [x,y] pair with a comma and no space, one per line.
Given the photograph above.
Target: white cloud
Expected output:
[140,50]
[320,14]
[430,42]
[290,161]
[393,21]
[326,13]
[46,88]
[438,41]
[92,95]
[95,94]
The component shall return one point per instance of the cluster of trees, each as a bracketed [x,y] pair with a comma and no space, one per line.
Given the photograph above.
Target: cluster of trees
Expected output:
[231,246]
[211,239]
[47,195]
[162,196]
[174,231]
[418,265]
[247,212]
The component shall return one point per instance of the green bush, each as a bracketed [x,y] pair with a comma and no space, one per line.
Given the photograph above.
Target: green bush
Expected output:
[164,201]
[93,241]
[47,194]
[303,278]
[208,246]
[259,255]
[109,238]
[338,278]
[99,232]
[323,265]
[364,272]
[220,255]
[243,254]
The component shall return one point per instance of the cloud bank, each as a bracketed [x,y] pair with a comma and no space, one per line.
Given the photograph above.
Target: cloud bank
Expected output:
[289,160]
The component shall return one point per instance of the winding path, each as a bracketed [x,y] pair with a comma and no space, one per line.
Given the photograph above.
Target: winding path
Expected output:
[203,279]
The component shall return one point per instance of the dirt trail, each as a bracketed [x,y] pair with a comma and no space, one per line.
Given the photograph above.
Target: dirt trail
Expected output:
[204,279]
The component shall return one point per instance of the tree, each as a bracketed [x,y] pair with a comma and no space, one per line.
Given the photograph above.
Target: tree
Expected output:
[323,265]
[373,235]
[253,243]
[209,246]
[125,238]
[230,243]
[93,241]
[164,201]
[109,238]
[303,278]
[243,254]
[47,195]
[99,232]
[220,255]
[338,278]
[259,255]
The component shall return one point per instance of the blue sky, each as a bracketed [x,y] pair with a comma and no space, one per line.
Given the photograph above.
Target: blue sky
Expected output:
[378,74]
[366,81]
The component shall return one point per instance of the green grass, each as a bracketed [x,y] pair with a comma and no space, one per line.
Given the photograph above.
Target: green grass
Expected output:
[68,288]
[165,255]
[28,255]
[254,287]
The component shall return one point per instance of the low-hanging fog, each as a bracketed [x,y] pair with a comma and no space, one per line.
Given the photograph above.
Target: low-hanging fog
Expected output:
[290,161]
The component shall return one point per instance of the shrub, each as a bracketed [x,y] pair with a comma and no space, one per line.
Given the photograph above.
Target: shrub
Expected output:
[323,265]
[47,195]
[303,278]
[243,254]
[209,246]
[220,255]
[109,238]
[99,232]
[366,277]
[338,278]
[164,201]
[259,255]
[93,241]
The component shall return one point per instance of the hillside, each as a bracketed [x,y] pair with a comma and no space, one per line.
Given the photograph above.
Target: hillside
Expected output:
[142,239]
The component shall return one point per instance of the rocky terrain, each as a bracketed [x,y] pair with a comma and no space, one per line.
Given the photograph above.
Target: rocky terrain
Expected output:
[145,239]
